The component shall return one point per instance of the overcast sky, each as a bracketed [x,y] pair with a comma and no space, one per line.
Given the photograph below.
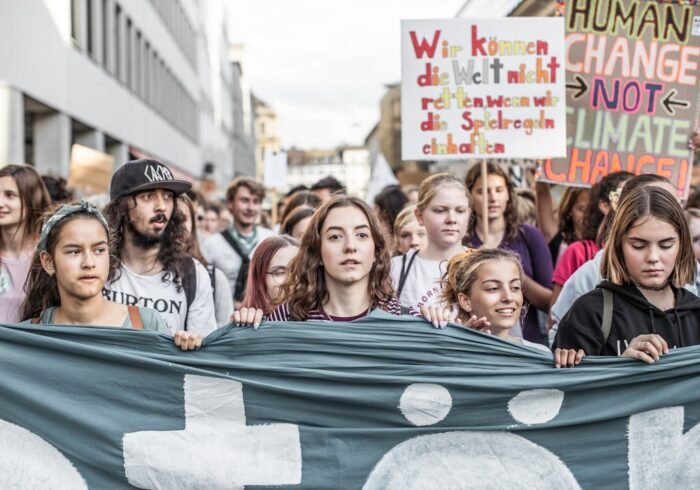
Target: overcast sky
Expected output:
[322,64]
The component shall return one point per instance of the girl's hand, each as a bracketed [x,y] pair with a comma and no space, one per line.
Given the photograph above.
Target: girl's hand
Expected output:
[187,340]
[439,317]
[647,348]
[481,324]
[568,357]
[247,317]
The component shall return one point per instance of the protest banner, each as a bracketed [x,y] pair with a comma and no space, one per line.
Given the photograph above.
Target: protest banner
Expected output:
[632,90]
[379,403]
[491,88]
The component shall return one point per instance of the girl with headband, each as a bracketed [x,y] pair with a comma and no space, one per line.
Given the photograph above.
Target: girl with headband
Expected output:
[69,270]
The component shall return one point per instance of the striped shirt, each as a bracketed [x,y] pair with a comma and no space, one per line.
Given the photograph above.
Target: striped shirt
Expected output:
[281,313]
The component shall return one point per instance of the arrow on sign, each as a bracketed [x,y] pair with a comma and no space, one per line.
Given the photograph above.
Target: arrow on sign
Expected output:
[217,450]
[668,102]
[581,86]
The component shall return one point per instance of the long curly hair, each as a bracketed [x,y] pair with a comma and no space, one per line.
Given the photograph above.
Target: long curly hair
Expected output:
[305,288]
[40,288]
[172,254]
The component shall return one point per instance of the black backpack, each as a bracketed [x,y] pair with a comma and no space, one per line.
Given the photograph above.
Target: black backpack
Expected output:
[189,284]
[242,279]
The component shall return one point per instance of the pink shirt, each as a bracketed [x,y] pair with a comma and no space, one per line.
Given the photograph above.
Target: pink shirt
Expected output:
[575,255]
[13,273]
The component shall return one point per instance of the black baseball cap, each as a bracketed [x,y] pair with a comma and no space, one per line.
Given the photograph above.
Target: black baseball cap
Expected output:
[142,175]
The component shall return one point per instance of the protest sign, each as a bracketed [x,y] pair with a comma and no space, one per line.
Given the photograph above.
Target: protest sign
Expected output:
[90,170]
[383,402]
[491,88]
[632,90]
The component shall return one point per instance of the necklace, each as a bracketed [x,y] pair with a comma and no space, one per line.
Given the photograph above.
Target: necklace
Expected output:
[653,288]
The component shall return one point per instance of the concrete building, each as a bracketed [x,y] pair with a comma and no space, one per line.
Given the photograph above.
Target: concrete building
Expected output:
[267,136]
[130,78]
[349,164]
[243,116]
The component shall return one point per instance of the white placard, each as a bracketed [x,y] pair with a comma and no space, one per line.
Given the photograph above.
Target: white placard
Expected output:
[275,169]
[486,88]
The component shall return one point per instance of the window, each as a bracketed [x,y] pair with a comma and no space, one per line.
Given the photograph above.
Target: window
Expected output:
[89,11]
[106,33]
[75,20]
[127,54]
[118,41]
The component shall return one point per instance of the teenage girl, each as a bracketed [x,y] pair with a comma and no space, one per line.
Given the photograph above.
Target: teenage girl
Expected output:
[341,272]
[640,309]
[443,210]
[69,270]
[23,197]
[504,232]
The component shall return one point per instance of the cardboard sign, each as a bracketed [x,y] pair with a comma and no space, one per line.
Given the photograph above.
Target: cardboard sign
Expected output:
[632,90]
[482,88]
[90,170]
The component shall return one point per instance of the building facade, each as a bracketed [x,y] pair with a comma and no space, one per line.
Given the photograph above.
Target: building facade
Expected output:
[267,136]
[130,78]
[349,164]
[243,116]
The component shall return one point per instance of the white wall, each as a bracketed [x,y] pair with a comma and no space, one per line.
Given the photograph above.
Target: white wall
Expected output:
[37,58]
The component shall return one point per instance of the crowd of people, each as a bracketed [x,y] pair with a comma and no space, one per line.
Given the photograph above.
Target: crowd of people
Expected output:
[611,270]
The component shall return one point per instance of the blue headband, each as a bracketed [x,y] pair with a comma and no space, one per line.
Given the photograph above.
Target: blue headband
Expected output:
[63,212]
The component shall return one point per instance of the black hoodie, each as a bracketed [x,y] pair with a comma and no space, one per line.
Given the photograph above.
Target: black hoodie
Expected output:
[632,316]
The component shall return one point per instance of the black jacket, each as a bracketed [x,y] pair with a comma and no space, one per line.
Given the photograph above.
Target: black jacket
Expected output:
[632,316]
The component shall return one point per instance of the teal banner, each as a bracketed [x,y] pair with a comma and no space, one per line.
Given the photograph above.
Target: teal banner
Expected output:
[381,403]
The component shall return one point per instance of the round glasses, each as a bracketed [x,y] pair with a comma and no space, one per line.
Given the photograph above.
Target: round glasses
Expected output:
[279,274]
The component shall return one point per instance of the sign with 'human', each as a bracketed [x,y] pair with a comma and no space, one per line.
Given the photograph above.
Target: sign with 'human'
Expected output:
[632,90]
[482,88]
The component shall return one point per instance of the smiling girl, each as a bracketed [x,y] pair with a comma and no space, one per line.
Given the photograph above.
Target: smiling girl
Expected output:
[69,270]
[23,198]
[648,257]
[504,232]
[487,283]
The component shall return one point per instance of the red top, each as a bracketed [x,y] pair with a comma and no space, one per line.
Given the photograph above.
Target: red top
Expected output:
[575,255]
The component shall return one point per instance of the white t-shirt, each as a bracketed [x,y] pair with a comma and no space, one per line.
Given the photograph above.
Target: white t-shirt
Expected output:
[223,299]
[423,283]
[221,255]
[151,292]
[13,274]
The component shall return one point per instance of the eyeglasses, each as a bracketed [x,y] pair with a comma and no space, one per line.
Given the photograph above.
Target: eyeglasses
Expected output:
[279,274]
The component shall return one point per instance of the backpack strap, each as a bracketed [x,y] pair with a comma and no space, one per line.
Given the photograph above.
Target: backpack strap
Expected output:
[606,326]
[242,277]
[234,245]
[212,278]
[189,284]
[135,317]
[404,273]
